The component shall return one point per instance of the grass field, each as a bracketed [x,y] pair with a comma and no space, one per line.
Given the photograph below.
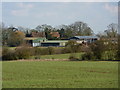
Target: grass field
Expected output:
[60,56]
[60,74]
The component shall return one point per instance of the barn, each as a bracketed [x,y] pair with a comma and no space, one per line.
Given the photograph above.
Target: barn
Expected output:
[45,43]
[59,43]
[42,41]
[38,41]
[88,39]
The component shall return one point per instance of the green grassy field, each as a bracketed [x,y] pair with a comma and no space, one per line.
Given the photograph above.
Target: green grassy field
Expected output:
[60,74]
[60,56]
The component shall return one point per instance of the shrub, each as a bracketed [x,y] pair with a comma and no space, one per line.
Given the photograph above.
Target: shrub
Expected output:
[85,48]
[58,50]
[98,48]
[118,54]
[109,55]
[66,50]
[51,50]
[73,46]
[37,51]
[88,56]
[23,52]
[118,51]
[44,51]
[8,54]
[18,53]
[5,50]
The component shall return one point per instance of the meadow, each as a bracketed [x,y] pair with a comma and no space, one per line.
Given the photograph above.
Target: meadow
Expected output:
[60,74]
[61,56]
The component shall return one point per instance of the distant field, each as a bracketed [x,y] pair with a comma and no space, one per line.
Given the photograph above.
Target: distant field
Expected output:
[60,74]
[60,56]
[12,48]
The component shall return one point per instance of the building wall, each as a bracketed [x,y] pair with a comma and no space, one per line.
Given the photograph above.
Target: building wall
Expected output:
[36,44]
[50,44]
[62,44]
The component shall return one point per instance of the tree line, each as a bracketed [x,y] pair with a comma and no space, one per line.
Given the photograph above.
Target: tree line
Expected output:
[99,50]
[14,36]
[106,48]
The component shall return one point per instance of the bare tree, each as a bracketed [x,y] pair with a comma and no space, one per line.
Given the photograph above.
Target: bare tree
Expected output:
[112,30]
[81,28]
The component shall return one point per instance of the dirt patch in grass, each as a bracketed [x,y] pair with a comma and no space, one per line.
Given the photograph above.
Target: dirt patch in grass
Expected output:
[97,71]
[7,79]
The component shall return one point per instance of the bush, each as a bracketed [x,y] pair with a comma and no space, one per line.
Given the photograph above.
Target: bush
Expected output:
[51,50]
[88,56]
[66,50]
[98,48]
[58,50]
[37,51]
[5,50]
[85,48]
[18,53]
[44,51]
[8,54]
[23,53]
[118,54]
[118,51]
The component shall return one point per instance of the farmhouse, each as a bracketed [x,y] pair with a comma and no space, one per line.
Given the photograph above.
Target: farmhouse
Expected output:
[55,34]
[87,39]
[38,34]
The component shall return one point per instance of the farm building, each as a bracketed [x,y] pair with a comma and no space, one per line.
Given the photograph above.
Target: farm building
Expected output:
[34,41]
[88,39]
[38,41]
[29,40]
[42,41]
[54,43]
[55,34]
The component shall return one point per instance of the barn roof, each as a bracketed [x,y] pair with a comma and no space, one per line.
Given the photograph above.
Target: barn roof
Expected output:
[56,41]
[30,38]
[85,37]
[39,39]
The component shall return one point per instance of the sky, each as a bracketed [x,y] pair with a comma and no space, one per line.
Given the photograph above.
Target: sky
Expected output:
[98,15]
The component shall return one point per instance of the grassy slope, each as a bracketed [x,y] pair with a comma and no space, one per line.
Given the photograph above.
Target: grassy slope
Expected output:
[59,74]
[60,56]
